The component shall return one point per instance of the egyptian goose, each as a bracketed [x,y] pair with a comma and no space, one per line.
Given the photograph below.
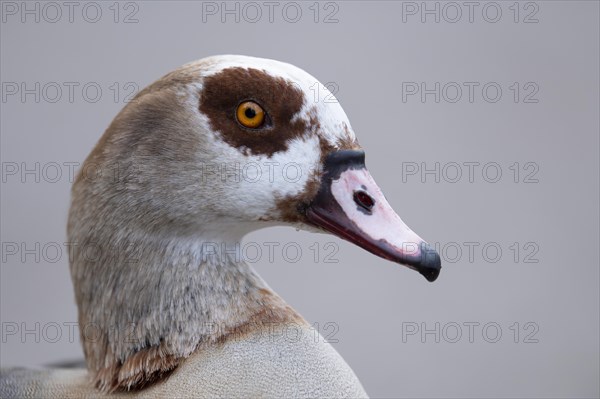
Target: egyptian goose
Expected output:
[166,308]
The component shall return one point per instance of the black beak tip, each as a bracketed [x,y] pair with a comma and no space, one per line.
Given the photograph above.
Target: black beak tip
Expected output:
[430,274]
[430,263]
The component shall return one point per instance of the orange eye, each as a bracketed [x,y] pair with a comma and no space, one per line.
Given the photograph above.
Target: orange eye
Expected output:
[250,114]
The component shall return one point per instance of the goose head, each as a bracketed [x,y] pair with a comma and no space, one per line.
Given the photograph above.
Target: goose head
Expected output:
[216,149]
[230,144]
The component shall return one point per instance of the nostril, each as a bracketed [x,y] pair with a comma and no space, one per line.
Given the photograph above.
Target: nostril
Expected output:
[364,200]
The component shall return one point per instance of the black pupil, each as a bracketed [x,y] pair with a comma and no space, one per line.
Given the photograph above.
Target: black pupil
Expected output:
[250,113]
[363,199]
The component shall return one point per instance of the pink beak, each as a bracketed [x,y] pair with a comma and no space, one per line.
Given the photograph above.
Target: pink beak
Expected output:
[350,205]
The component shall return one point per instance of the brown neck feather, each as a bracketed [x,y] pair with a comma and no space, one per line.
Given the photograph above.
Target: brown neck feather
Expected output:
[140,319]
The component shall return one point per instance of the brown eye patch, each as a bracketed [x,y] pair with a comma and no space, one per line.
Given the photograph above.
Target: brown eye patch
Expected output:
[281,99]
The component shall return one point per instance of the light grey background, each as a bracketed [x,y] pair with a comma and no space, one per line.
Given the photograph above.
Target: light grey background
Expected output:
[368,53]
